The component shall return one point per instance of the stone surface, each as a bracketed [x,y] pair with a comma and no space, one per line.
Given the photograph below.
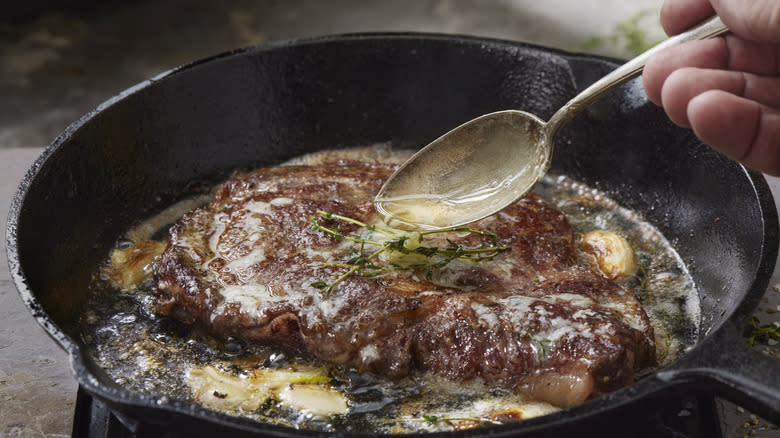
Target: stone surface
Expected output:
[37,390]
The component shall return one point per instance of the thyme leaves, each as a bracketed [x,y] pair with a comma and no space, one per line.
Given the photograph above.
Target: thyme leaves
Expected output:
[758,331]
[441,420]
[543,347]
[435,420]
[404,250]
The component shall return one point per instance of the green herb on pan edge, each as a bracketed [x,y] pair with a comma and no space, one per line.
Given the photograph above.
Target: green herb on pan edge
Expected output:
[758,331]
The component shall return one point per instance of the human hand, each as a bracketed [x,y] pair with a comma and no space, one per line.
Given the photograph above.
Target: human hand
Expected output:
[726,89]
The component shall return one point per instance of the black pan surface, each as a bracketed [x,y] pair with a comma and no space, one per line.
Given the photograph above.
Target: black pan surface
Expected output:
[188,128]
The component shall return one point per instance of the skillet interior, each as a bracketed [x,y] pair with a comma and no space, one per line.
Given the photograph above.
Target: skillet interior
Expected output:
[189,128]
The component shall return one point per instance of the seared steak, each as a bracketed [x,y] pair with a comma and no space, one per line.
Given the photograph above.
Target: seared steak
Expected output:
[531,319]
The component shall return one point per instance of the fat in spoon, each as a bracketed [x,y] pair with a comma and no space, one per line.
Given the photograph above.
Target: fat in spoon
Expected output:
[476,190]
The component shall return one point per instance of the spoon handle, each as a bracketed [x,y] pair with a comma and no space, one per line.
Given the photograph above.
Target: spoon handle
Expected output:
[707,29]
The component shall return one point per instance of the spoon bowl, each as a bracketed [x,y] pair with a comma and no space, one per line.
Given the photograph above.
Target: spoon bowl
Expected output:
[485,164]
[470,172]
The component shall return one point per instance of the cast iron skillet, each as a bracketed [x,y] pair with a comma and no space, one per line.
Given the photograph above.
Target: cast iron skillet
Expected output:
[190,127]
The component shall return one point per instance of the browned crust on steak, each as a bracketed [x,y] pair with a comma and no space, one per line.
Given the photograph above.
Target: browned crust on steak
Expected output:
[531,319]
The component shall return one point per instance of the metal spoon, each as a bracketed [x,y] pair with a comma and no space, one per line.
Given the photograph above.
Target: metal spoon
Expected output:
[485,164]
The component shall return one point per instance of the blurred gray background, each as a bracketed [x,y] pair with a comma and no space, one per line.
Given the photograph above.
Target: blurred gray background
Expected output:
[57,64]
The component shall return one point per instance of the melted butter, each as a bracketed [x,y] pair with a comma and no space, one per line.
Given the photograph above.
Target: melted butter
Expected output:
[148,355]
[421,211]
[240,264]
[249,297]
[664,285]
[468,173]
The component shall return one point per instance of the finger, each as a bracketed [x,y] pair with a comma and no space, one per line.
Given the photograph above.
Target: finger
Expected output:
[729,53]
[740,128]
[686,83]
[711,54]
[755,20]
[701,54]
[680,15]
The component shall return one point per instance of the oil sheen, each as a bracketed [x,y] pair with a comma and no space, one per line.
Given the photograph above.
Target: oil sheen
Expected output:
[150,355]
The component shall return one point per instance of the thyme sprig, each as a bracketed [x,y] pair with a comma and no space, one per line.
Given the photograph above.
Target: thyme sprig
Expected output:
[758,331]
[400,242]
[542,347]
[435,420]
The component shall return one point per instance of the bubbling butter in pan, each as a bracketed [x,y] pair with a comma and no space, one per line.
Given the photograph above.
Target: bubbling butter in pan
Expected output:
[147,354]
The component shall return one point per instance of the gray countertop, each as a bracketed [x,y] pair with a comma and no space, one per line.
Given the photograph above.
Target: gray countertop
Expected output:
[37,390]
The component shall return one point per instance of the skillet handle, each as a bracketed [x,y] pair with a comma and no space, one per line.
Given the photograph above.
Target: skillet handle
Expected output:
[726,366]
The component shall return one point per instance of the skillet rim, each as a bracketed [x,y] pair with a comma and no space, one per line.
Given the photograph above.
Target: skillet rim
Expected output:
[578,414]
